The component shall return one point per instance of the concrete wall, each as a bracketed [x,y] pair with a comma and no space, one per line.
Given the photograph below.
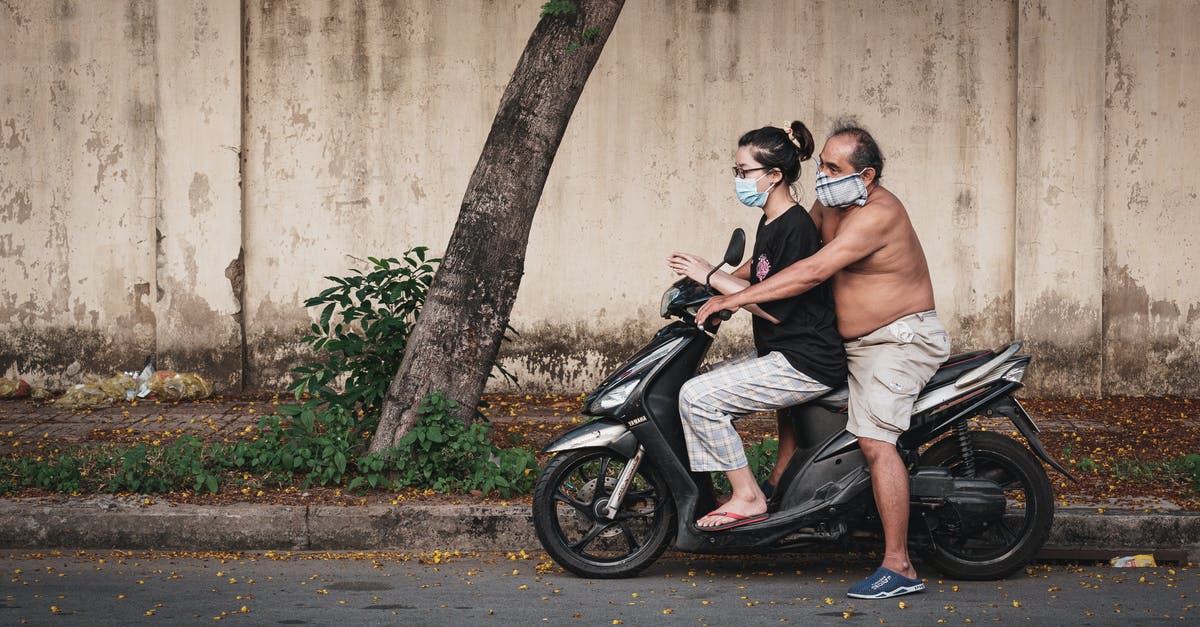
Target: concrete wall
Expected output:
[1042,149]
[119,201]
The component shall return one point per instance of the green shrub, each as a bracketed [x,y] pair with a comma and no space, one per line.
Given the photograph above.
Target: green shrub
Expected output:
[443,454]
[361,334]
[317,445]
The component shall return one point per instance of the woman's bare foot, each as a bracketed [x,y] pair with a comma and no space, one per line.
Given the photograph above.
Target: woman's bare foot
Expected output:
[739,507]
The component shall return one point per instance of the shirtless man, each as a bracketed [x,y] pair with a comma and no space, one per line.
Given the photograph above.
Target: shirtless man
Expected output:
[893,338]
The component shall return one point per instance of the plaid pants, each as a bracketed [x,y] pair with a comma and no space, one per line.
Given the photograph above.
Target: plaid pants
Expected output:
[735,387]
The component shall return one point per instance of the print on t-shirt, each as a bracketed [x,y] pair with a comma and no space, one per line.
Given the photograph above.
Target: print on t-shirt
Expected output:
[762,267]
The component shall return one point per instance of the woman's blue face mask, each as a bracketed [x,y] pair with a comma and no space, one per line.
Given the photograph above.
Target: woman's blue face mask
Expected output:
[747,191]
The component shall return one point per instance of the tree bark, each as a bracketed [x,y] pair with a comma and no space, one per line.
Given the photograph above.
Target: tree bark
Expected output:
[457,337]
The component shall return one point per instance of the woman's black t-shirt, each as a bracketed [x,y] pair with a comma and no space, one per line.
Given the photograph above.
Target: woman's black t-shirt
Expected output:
[807,332]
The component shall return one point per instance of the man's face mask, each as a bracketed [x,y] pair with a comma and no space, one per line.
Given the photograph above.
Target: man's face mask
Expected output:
[841,192]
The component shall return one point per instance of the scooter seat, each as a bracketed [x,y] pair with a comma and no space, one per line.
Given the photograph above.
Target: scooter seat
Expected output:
[956,366]
[953,368]
[836,399]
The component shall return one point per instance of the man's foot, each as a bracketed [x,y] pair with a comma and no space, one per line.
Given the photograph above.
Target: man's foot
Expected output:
[884,584]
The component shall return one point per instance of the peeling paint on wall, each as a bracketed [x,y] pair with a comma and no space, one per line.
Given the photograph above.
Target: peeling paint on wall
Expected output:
[15,205]
[363,121]
[199,195]
[1063,335]
[1149,343]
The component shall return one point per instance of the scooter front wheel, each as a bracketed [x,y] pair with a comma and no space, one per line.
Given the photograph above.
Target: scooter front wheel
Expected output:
[570,515]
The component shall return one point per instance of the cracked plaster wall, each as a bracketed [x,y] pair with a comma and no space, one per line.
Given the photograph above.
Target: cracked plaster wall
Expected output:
[119,202]
[1008,128]
[1151,234]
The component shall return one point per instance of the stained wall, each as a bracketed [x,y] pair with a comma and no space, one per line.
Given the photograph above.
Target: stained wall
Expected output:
[177,177]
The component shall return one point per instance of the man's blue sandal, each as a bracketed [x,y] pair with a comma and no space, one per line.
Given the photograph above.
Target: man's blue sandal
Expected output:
[884,584]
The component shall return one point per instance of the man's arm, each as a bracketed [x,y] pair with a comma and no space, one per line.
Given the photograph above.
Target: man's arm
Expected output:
[696,268]
[860,236]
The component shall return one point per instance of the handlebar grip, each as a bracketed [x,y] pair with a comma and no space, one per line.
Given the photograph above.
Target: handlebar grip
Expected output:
[724,314]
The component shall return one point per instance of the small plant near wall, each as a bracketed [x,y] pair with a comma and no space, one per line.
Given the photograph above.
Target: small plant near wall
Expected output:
[361,334]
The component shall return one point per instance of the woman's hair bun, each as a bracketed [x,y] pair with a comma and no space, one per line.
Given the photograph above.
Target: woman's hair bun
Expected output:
[801,138]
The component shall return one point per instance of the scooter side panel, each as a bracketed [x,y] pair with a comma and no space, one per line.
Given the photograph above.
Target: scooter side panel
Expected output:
[607,433]
[662,434]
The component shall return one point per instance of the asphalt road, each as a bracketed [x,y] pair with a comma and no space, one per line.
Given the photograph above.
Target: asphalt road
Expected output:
[111,588]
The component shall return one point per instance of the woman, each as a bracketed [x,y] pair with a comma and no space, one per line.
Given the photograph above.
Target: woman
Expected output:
[798,353]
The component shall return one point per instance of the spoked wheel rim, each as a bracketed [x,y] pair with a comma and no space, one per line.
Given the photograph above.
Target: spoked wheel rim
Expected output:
[580,520]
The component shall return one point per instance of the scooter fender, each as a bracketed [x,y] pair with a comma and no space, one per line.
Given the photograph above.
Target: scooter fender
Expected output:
[608,433]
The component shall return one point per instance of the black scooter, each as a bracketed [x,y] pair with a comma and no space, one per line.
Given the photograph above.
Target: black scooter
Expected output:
[619,492]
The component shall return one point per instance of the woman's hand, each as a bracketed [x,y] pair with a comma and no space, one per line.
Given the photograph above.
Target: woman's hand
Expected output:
[691,266]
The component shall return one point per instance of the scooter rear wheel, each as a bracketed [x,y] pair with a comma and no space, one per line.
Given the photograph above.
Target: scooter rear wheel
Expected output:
[1009,545]
[569,505]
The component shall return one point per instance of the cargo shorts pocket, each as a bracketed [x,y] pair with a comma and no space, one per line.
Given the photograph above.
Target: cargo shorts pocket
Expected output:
[892,399]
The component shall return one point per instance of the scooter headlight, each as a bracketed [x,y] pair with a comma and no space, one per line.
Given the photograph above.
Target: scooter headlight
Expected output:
[617,396]
[667,297]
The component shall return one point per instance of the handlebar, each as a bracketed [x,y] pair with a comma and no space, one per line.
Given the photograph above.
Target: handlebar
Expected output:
[709,327]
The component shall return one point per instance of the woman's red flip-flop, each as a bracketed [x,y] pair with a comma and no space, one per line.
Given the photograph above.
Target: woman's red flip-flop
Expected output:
[738,520]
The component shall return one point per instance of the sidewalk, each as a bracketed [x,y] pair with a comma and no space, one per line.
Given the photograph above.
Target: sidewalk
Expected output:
[95,522]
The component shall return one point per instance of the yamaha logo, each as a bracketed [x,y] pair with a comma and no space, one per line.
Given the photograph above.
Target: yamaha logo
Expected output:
[636,421]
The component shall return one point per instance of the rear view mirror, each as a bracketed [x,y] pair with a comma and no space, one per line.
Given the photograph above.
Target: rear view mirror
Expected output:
[737,248]
[733,254]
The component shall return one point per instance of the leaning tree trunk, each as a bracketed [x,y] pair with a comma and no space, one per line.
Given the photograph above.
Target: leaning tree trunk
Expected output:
[455,341]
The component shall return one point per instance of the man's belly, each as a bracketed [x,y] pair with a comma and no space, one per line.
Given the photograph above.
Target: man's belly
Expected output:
[865,305]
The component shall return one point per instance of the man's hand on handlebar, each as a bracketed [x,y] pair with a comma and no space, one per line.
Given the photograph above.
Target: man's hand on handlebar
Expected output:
[714,305]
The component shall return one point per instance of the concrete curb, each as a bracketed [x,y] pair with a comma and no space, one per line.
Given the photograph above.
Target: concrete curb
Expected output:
[107,523]
[101,523]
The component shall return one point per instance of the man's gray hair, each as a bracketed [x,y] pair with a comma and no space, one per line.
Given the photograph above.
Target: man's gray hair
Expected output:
[866,151]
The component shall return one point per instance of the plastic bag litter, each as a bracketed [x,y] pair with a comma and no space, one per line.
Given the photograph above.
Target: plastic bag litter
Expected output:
[98,393]
[178,386]
[13,388]
[1143,560]
[41,395]
[166,385]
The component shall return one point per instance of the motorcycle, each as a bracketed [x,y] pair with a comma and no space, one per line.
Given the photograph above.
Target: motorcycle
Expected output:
[619,490]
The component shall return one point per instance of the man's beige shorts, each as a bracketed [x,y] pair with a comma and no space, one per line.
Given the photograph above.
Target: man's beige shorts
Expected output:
[888,368]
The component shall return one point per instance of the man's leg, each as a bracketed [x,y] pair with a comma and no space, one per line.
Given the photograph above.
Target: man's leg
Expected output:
[888,368]
[889,482]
